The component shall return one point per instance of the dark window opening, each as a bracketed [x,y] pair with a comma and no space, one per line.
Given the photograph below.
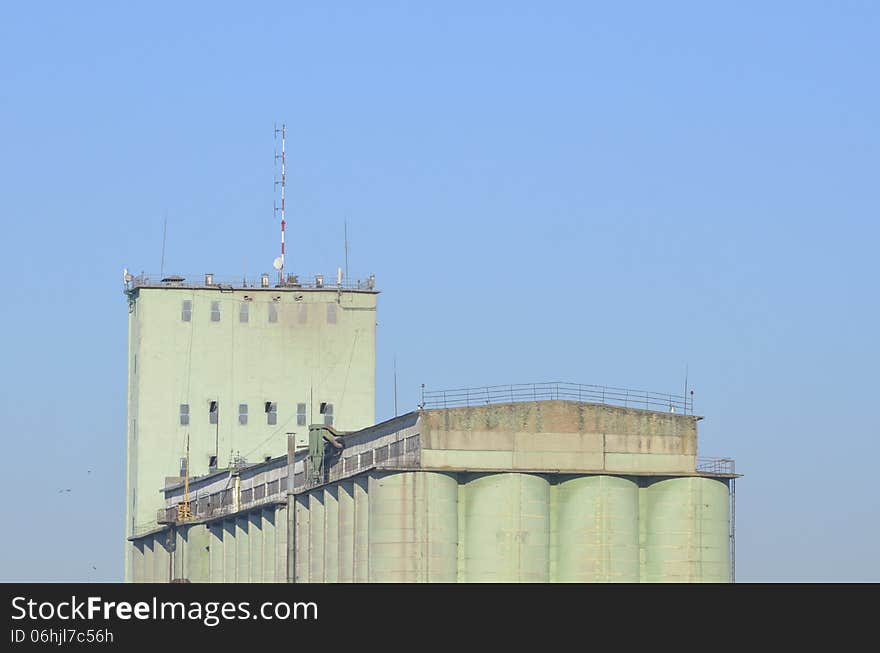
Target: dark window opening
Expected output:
[327,412]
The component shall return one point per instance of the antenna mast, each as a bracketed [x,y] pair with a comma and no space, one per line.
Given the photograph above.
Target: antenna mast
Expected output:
[164,232]
[283,132]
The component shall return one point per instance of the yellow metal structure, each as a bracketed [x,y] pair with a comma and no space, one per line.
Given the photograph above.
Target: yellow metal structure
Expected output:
[184,511]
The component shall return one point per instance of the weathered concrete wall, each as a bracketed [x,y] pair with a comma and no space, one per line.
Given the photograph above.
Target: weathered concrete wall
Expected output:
[558,435]
[311,354]
[248,547]
[552,491]
[420,526]
[417,526]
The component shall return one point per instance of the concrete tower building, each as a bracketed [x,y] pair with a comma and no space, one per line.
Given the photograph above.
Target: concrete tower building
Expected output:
[235,369]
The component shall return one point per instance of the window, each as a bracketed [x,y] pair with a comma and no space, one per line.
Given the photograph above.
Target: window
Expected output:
[242,414]
[331,313]
[271,413]
[186,310]
[273,311]
[327,412]
[212,462]
[183,466]
[213,412]
[243,311]
[215,311]
[300,414]
[184,414]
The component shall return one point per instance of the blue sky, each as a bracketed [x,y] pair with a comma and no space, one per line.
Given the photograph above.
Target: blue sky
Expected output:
[592,192]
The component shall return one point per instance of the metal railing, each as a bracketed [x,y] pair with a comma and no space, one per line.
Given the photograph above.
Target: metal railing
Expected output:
[404,452]
[326,281]
[594,394]
[716,465]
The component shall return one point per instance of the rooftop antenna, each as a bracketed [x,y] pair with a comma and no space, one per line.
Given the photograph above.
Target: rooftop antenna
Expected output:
[164,231]
[686,390]
[395,385]
[279,262]
[346,248]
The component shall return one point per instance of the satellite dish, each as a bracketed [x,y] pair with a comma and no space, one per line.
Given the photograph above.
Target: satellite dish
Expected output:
[278,263]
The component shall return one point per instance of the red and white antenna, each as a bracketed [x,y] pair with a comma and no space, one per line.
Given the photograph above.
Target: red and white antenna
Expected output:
[279,261]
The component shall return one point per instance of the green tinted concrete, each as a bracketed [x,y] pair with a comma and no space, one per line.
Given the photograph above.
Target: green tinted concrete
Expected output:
[314,353]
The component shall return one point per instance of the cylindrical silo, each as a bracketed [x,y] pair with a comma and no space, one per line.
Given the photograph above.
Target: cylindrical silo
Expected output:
[137,561]
[331,534]
[507,528]
[147,543]
[229,550]
[346,529]
[413,527]
[302,526]
[216,551]
[687,531]
[161,558]
[598,530]
[361,530]
[255,546]
[242,549]
[270,545]
[316,536]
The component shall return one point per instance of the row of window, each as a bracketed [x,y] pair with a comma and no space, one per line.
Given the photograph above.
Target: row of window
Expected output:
[270,408]
[244,312]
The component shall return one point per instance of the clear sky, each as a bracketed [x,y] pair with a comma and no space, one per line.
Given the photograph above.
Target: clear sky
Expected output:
[591,192]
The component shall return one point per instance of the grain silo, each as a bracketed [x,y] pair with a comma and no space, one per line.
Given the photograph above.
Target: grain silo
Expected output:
[537,483]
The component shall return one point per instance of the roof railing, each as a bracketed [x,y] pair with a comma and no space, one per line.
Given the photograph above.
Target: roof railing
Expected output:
[292,281]
[716,465]
[556,390]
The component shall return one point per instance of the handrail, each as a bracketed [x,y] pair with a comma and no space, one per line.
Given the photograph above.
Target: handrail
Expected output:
[316,281]
[598,394]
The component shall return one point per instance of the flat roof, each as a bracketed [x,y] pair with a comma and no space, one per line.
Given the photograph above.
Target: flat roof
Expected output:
[292,282]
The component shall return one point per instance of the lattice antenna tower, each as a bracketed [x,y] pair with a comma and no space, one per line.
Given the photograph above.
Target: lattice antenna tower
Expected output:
[282,158]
